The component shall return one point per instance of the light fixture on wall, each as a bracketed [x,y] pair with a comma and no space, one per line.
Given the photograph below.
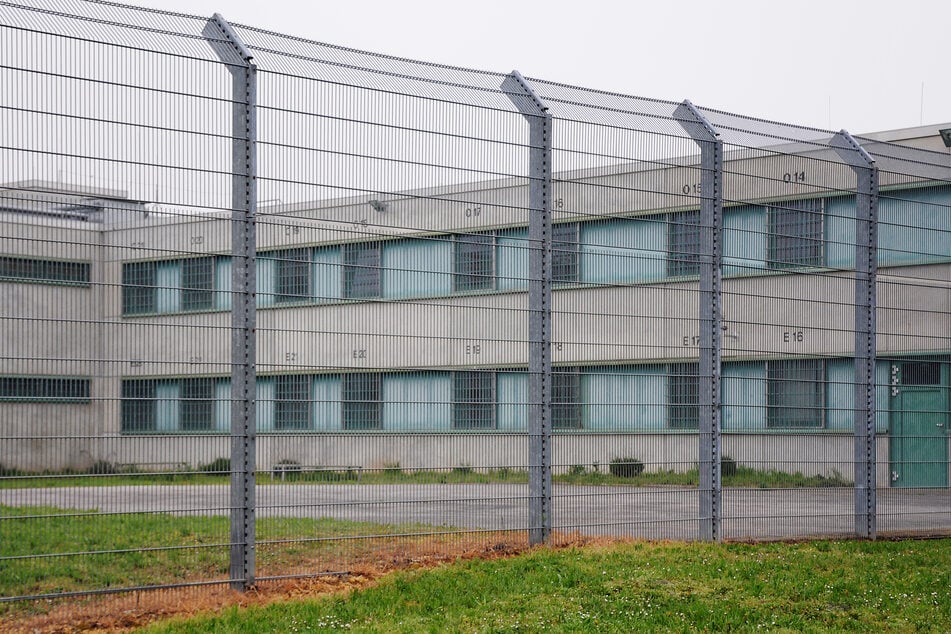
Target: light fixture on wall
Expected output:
[946,136]
[378,206]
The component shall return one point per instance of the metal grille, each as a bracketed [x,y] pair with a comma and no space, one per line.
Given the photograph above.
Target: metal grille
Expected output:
[564,254]
[473,402]
[474,262]
[293,275]
[198,283]
[566,399]
[796,234]
[683,396]
[138,405]
[922,373]
[362,406]
[795,393]
[14,269]
[292,402]
[50,389]
[683,243]
[139,292]
[361,270]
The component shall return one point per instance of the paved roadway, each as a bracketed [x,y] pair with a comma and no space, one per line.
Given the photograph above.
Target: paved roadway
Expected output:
[650,512]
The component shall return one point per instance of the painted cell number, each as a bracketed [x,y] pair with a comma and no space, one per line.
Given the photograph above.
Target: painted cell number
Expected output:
[691,188]
[794,177]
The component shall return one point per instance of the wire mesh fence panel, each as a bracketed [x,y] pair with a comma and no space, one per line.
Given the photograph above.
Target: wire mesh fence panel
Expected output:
[788,459]
[278,308]
[913,333]
[391,330]
[116,161]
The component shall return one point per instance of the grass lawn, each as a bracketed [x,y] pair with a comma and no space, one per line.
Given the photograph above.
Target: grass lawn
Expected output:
[808,587]
[84,550]
[740,476]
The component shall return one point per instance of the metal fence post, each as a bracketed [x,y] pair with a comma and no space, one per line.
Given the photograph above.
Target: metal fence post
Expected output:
[539,305]
[711,313]
[866,270]
[243,316]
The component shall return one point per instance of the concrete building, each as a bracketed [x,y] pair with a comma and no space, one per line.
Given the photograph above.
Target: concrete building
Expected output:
[392,329]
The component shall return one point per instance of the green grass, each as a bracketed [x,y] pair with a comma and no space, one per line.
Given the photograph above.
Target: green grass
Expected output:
[577,474]
[809,587]
[128,550]
[746,477]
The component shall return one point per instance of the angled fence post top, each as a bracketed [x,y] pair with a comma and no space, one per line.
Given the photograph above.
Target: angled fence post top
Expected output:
[218,31]
[521,94]
[849,150]
[694,123]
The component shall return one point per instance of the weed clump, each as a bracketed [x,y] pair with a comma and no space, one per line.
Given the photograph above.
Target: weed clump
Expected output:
[218,465]
[626,467]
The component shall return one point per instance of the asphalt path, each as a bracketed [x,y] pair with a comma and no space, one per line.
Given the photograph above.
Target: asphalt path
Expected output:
[648,512]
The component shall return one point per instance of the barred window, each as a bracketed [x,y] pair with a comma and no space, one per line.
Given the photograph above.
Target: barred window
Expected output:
[796,234]
[683,396]
[293,275]
[474,262]
[362,403]
[138,405]
[683,243]
[566,398]
[197,410]
[795,393]
[139,292]
[292,407]
[361,270]
[32,270]
[198,283]
[473,400]
[41,388]
[564,256]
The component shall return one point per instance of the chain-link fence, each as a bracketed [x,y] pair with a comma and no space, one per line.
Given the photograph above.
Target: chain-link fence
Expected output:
[276,308]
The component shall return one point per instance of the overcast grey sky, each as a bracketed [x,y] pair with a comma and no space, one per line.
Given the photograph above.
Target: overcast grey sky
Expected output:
[862,65]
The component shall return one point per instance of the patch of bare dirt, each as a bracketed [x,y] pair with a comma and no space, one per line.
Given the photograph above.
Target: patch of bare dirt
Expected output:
[127,611]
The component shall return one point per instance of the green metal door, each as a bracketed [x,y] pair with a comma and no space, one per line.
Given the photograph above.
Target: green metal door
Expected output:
[919,424]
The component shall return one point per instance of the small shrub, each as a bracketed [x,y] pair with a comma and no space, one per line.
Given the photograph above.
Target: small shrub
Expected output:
[576,470]
[102,467]
[727,467]
[626,467]
[462,470]
[218,465]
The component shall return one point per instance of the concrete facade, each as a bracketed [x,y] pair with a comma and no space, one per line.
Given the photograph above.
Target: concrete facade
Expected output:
[624,317]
